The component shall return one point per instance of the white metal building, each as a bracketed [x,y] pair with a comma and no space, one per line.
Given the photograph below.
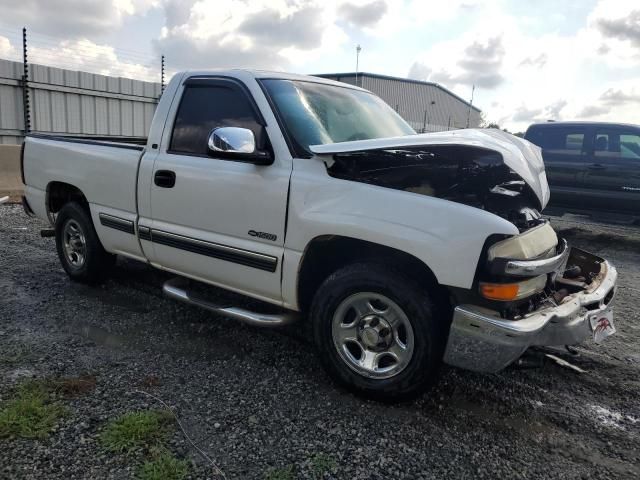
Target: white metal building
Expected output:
[426,106]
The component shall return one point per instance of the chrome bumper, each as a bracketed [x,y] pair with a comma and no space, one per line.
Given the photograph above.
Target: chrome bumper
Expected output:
[533,267]
[482,341]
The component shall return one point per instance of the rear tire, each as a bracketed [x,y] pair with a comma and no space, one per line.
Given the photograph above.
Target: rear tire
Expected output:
[79,249]
[376,332]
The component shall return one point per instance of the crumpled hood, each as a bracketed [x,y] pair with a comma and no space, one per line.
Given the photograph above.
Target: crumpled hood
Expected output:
[521,156]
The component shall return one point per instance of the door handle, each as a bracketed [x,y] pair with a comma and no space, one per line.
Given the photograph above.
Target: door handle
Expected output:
[165,178]
[596,166]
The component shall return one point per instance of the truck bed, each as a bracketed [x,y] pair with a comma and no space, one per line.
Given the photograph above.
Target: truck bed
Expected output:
[106,171]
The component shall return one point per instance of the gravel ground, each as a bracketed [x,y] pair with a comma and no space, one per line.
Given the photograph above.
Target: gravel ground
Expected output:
[257,399]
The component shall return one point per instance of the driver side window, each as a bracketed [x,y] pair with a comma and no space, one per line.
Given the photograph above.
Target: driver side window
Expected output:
[205,107]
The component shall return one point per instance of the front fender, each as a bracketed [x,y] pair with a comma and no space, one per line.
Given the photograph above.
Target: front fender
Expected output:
[448,237]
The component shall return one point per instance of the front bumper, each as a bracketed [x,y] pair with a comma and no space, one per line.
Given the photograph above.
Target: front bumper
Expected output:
[482,341]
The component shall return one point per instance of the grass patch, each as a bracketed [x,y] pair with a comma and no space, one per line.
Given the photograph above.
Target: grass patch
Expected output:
[281,473]
[31,413]
[14,355]
[136,431]
[163,466]
[321,464]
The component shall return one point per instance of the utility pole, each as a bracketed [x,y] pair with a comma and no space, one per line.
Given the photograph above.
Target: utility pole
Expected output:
[25,84]
[358,48]
[473,89]
[162,76]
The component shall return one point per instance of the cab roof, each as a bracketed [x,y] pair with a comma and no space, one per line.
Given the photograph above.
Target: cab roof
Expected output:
[584,123]
[245,74]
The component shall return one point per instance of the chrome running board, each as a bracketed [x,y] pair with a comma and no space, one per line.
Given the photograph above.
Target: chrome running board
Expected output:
[176,289]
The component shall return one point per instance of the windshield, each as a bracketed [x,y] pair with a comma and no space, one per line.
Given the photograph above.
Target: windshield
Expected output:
[317,114]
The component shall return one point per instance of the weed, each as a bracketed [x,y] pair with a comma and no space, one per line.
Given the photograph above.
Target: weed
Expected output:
[282,473]
[163,466]
[150,381]
[136,431]
[31,413]
[321,463]
[73,386]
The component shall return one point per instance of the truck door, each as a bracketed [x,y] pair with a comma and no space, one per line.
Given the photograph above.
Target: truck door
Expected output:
[613,173]
[564,150]
[218,220]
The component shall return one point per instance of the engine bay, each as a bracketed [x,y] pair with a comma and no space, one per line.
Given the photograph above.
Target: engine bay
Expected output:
[470,175]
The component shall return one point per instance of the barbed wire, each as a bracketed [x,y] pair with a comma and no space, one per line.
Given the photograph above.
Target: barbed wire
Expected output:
[55,40]
[82,54]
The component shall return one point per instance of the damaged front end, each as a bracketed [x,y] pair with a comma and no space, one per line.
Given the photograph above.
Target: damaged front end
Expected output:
[573,306]
[470,175]
[487,169]
[530,289]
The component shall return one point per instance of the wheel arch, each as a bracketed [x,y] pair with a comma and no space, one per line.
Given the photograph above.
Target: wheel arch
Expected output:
[325,254]
[60,193]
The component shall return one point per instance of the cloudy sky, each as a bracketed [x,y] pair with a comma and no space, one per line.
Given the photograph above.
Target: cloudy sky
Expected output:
[529,61]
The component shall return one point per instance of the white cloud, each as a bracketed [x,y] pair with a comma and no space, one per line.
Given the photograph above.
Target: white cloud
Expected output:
[261,34]
[71,18]
[618,101]
[618,21]
[424,12]
[364,15]
[524,70]
[540,77]
[7,50]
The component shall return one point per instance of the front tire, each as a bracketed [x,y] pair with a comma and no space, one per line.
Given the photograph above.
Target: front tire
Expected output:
[79,249]
[376,332]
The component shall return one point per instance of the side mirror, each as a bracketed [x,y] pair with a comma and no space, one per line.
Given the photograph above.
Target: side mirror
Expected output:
[237,143]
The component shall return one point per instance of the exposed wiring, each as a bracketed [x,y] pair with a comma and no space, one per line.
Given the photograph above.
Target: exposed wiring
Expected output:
[216,469]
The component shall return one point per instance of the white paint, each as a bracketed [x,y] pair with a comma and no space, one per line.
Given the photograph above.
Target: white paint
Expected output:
[219,201]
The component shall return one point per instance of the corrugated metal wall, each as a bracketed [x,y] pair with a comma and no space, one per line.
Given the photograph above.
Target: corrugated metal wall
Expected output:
[67,101]
[423,105]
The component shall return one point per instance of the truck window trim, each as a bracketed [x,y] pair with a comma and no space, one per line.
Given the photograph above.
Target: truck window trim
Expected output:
[233,83]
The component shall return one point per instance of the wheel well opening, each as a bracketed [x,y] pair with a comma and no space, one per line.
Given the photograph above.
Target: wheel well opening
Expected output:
[60,193]
[326,254]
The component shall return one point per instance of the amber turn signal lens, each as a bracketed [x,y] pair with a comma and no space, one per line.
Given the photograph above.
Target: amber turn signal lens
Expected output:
[499,291]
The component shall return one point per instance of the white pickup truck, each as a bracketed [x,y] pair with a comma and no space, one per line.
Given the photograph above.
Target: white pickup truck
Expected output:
[401,250]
